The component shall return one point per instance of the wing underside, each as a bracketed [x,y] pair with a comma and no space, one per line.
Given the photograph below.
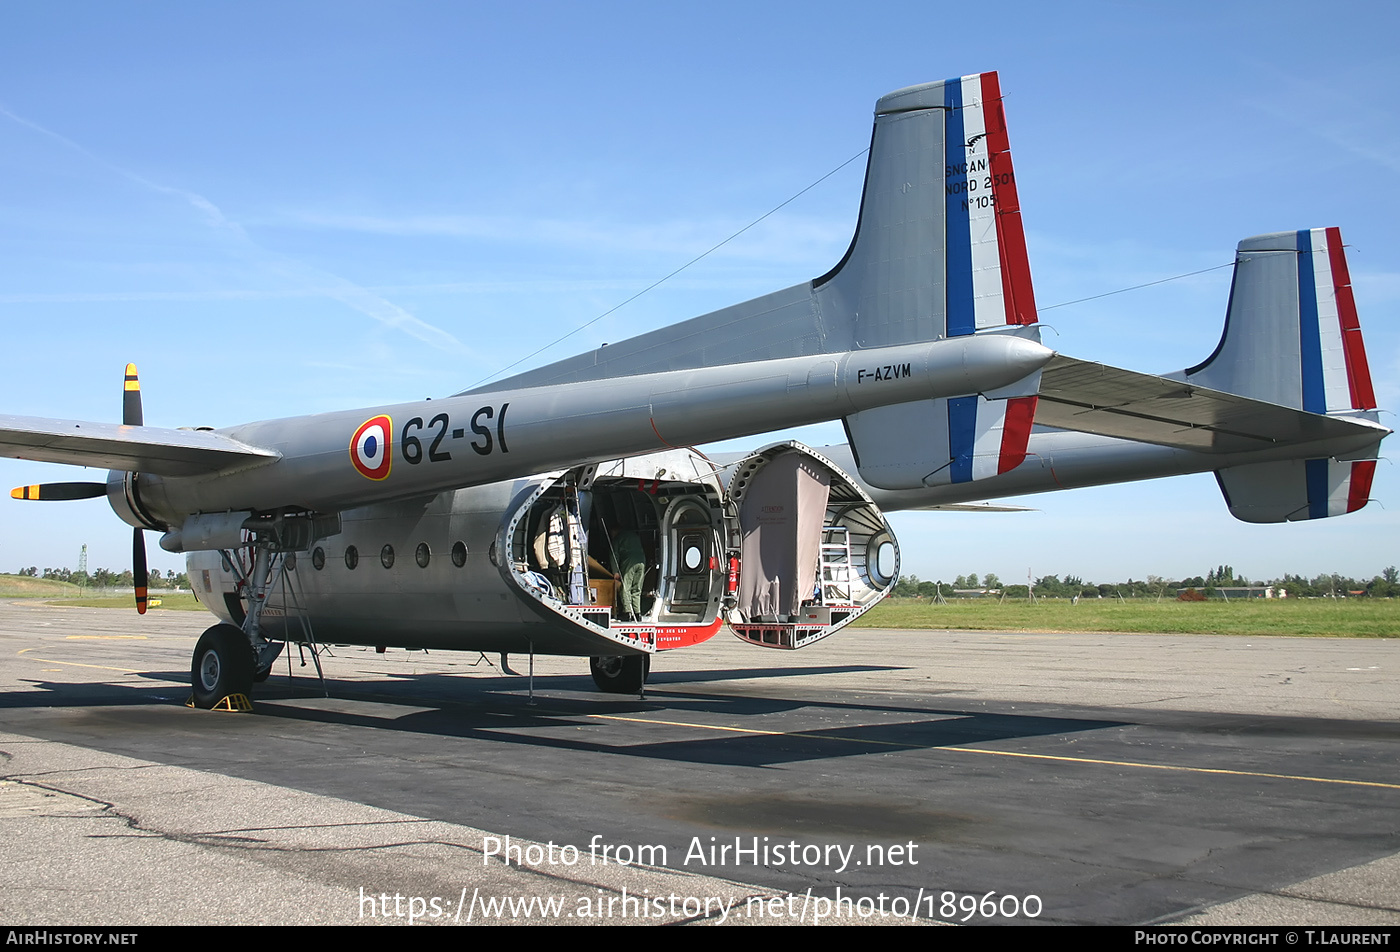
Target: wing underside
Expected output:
[146,449]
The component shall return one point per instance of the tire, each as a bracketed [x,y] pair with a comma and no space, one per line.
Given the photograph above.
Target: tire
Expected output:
[222,665]
[620,674]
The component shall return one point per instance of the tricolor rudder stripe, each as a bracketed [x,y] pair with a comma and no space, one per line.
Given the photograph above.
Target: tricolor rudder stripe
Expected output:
[988,277]
[987,437]
[372,448]
[1336,374]
[1018,416]
[1297,490]
[1337,487]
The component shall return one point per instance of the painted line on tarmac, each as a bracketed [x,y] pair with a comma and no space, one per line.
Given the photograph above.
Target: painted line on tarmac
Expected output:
[106,637]
[76,664]
[1009,753]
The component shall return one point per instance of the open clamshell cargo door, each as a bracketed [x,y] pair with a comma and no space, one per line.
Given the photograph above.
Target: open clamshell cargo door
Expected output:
[652,552]
[627,555]
[814,550]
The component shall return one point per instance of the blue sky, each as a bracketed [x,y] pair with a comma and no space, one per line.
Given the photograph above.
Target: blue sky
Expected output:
[278,209]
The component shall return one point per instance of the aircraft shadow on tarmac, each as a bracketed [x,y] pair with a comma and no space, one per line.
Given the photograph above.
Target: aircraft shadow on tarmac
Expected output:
[460,687]
[732,743]
[494,710]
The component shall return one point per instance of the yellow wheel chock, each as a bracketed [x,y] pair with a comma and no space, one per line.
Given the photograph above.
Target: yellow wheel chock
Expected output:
[233,702]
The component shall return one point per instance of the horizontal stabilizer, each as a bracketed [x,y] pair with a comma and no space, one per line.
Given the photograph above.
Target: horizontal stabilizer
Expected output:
[146,449]
[1090,397]
[1290,368]
[974,507]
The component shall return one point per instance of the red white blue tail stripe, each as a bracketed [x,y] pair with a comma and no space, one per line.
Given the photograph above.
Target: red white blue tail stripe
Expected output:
[1336,375]
[989,276]
[1336,487]
[1297,490]
[985,437]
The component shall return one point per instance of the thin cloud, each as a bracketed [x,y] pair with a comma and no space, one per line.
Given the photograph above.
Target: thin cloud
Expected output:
[1333,114]
[462,288]
[792,237]
[330,285]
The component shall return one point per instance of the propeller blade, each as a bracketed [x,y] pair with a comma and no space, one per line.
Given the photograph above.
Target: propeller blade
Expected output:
[138,568]
[59,491]
[131,398]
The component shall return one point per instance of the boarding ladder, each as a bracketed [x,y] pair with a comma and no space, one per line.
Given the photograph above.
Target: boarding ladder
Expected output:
[835,565]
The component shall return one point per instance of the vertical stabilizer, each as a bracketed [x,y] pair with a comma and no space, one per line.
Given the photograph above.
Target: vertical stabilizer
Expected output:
[939,249]
[1292,337]
[946,168]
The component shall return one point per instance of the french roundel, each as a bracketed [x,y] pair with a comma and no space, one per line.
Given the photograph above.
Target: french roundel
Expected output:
[372,448]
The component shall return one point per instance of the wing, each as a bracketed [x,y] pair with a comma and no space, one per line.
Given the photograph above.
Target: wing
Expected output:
[146,449]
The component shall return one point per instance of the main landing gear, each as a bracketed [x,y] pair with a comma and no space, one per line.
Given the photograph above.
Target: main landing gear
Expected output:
[222,666]
[229,659]
[620,674]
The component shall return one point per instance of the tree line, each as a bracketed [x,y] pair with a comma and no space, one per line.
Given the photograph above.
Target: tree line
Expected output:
[106,578]
[1384,585]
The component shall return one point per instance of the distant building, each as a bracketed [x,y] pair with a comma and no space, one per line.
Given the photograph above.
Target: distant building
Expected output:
[1227,592]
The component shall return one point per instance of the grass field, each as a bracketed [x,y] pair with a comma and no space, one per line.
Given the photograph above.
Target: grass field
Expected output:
[1318,617]
[22,586]
[180,602]
[65,593]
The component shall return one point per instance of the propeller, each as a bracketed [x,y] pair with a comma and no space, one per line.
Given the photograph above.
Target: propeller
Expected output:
[132,416]
[138,568]
[57,492]
[60,491]
[131,398]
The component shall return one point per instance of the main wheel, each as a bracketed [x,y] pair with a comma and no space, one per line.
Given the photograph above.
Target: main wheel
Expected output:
[620,674]
[223,665]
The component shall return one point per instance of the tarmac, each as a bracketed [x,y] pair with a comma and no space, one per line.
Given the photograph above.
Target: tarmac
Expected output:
[877,777]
